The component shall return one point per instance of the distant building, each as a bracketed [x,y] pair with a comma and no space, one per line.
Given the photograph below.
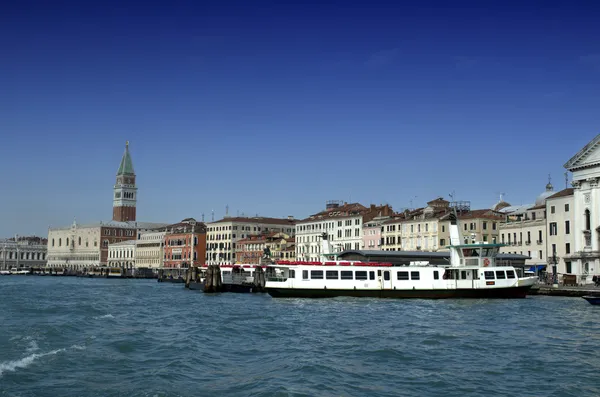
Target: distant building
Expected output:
[559,231]
[343,224]
[23,252]
[184,244]
[84,246]
[149,249]
[223,235]
[250,250]
[122,254]
[427,229]
[524,229]
[371,233]
[585,256]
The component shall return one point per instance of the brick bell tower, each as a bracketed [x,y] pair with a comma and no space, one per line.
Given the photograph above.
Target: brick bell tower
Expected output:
[125,191]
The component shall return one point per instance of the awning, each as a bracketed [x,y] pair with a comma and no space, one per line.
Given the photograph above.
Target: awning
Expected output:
[537,268]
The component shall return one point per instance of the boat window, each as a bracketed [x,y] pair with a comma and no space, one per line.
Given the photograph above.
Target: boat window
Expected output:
[292,274]
[402,275]
[346,275]
[360,275]
[386,275]
[316,274]
[305,274]
[372,275]
[463,274]
[415,276]
[510,274]
[379,273]
[489,275]
[226,272]
[436,275]
[331,275]
[500,274]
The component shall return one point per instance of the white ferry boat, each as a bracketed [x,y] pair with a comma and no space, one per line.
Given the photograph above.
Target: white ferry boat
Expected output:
[471,273]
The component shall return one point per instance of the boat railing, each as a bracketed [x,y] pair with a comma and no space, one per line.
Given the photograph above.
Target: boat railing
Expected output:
[277,279]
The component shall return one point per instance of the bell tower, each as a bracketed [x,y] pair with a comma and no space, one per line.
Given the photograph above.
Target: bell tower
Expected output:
[125,191]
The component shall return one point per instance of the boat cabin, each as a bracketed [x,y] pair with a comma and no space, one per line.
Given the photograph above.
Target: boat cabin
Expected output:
[476,255]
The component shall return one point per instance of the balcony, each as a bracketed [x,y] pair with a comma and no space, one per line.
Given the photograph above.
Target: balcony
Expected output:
[539,242]
[528,242]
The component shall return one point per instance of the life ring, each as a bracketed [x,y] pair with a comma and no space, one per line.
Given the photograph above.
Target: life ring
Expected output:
[486,262]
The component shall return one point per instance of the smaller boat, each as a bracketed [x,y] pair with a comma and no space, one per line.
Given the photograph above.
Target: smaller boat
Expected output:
[592,299]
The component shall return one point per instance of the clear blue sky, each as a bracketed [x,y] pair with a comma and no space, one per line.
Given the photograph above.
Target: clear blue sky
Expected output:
[274,109]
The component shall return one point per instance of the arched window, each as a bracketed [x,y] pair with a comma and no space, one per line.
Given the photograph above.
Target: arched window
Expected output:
[60,242]
[67,242]
[587,220]
[53,242]
[79,240]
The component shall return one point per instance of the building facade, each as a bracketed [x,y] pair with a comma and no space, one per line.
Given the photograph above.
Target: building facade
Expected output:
[559,232]
[223,235]
[149,250]
[585,168]
[23,253]
[427,229]
[372,233]
[251,250]
[184,244]
[122,254]
[343,224]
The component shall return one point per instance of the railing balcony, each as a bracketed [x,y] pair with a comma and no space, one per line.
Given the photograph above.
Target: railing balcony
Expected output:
[539,242]
[528,242]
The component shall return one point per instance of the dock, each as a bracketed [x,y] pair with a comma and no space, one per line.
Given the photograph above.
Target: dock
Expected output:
[561,290]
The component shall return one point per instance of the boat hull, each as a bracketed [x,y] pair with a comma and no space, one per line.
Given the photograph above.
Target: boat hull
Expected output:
[593,300]
[236,288]
[484,293]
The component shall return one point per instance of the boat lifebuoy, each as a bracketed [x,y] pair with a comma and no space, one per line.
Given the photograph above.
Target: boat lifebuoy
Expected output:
[486,262]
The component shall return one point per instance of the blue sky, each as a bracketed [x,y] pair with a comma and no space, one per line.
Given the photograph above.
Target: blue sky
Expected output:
[275,108]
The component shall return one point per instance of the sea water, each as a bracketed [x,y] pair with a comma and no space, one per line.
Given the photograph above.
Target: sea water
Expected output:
[62,336]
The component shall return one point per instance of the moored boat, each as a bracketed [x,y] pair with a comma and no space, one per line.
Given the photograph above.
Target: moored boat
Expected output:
[592,299]
[471,273]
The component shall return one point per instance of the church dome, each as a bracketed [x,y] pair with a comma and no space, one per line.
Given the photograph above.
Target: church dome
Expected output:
[500,205]
[541,199]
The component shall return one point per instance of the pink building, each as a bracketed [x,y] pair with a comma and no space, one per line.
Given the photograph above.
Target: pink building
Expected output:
[371,239]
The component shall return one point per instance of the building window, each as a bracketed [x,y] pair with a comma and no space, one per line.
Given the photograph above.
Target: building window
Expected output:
[442,242]
[443,228]
[587,220]
[566,207]
[568,248]
[553,229]
[568,267]
[60,242]
[567,227]
[552,209]
[53,242]
[540,252]
[79,240]
[484,225]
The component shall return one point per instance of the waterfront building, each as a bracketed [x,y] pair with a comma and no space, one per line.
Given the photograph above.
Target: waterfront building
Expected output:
[22,252]
[524,229]
[122,254]
[223,235]
[149,249]
[250,250]
[428,228]
[585,168]
[372,233]
[83,246]
[184,244]
[559,232]
[343,224]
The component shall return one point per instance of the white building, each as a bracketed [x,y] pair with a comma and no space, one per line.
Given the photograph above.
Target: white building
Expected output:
[585,167]
[149,250]
[343,224]
[23,252]
[559,229]
[223,235]
[122,254]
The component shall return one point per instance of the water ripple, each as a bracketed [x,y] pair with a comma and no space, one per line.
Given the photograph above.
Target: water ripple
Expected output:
[84,337]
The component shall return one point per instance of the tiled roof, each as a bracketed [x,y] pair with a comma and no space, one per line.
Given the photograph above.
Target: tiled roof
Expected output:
[563,193]
[257,219]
